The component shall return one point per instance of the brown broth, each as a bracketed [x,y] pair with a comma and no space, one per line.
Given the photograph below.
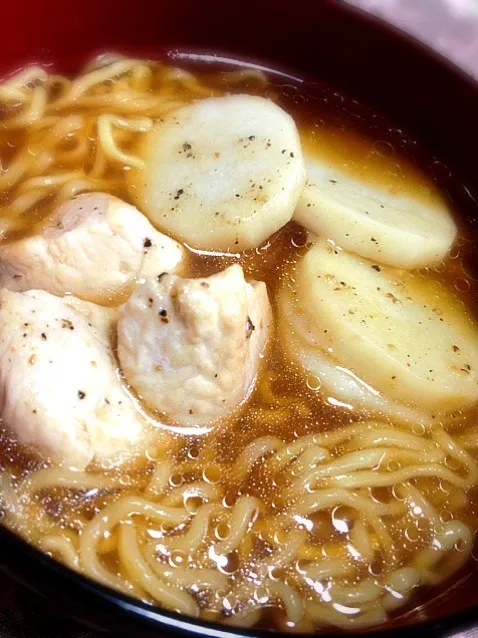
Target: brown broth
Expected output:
[369,147]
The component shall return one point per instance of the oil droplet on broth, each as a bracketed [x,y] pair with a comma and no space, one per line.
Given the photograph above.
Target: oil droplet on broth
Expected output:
[178,558]
[462,285]
[211,474]
[313,383]
[175,480]
[454,252]
[383,148]
[446,516]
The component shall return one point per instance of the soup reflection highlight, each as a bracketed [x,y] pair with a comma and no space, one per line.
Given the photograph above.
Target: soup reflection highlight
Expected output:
[306,445]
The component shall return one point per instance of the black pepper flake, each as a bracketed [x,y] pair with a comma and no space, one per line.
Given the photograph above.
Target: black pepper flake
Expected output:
[291,154]
[163,312]
[66,323]
[81,394]
[43,336]
[250,327]
[251,137]
[147,243]
[190,411]
[333,181]
[161,276]
[179,193]
[376,267]
[456,349]
[187,146]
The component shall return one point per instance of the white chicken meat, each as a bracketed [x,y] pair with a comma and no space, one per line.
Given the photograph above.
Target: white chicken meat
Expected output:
[60,393]
[94,246]
[191,348]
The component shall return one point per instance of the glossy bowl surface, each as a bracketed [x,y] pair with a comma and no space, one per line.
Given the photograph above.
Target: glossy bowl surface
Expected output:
[322,39]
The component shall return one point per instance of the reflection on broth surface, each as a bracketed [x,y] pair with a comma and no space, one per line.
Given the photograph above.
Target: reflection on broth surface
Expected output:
[331,506]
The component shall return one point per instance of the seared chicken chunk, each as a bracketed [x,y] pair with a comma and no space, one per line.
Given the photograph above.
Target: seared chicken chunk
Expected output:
[60,393]
[95,246]
[192,347]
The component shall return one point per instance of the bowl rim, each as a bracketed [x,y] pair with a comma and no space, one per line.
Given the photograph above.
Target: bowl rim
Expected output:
[153,616]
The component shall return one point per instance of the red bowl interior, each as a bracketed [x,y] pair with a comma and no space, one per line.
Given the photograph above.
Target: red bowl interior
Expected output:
[322,39]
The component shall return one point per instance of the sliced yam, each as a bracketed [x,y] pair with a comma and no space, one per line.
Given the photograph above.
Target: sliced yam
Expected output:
[405,336]
[379,224]
[222,173]
[341,386]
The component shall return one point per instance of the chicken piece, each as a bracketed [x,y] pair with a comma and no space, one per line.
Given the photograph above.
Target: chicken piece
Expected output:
[94,246]
[60,392]
[192,347]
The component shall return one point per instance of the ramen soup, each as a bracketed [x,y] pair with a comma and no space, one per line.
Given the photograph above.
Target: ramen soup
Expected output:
[238,352]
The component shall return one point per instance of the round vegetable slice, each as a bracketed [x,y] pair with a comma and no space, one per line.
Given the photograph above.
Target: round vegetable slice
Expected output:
[378,224]
[342,387]
[406,336]
[221,174]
